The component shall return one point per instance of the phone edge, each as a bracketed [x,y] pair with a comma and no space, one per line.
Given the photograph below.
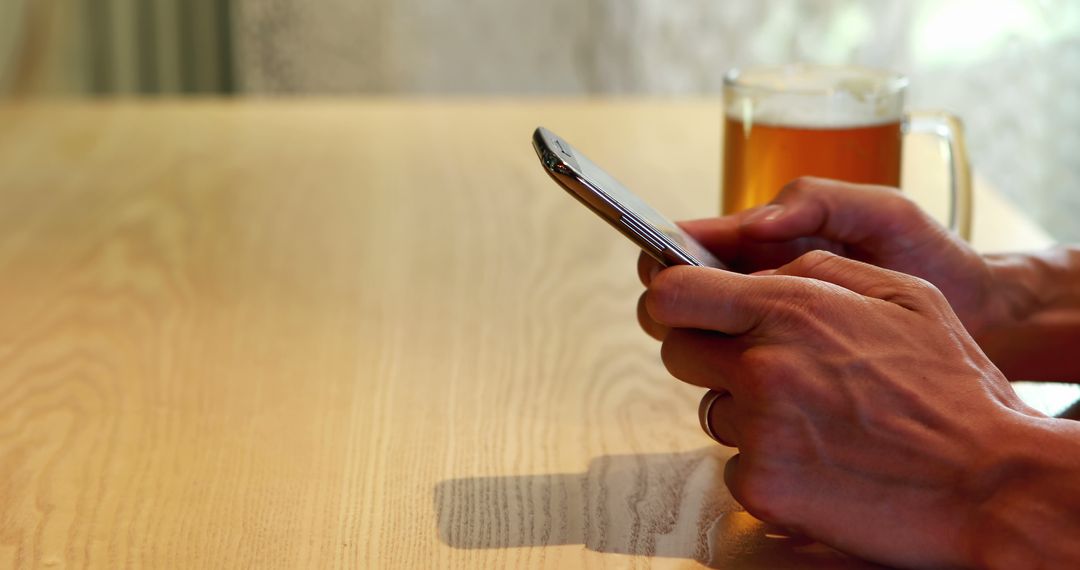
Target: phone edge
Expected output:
[564,172]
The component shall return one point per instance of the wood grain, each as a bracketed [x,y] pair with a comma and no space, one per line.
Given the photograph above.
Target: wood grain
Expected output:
[346,334]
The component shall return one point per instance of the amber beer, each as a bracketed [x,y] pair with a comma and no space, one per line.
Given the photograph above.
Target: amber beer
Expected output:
[760,158]
[841,122]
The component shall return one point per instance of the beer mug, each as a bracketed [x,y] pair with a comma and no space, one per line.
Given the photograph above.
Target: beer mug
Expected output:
[845,123]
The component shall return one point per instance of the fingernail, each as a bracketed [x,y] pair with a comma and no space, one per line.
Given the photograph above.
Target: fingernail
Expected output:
[763,214]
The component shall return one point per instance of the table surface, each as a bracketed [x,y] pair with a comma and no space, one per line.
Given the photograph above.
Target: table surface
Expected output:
[353,333]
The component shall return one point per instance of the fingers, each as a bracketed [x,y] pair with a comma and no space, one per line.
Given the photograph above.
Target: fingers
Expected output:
[862,278]
[701,358]
[650,326]
[711,299]
[735,479]
[719,235]
[846,213]
[759,497]
[647,267]
[734,304]
[716,413]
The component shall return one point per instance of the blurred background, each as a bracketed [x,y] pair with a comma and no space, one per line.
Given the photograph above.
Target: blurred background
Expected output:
[1009,68]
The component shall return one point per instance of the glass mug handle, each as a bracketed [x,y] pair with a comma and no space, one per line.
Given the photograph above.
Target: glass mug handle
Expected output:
[951,130]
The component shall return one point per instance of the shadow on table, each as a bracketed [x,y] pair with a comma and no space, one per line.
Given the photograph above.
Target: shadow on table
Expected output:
[671,505]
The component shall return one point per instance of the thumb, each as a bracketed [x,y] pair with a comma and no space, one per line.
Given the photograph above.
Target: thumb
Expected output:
[845,213]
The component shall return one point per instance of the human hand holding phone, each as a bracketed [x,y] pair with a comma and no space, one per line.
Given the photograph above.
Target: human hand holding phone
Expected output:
[873,224]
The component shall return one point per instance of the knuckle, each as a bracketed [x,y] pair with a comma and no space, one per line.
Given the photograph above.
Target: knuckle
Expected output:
[803,185]
[813,263]
[901,206]
[905,221]
[912,292]
[797,188]
[815,259]
[806,303]
[921,287]
[767,375]
[757,358]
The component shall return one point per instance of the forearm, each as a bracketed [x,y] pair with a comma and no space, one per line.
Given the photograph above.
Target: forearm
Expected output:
[1035,333]
[1031,516]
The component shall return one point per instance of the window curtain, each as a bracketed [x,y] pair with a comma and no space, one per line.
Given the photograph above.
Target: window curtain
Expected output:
[116,47]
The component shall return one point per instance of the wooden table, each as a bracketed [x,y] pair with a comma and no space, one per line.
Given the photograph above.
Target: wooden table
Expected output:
[368,334]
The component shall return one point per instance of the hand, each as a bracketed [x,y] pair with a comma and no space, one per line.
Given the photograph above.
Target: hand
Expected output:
[874,224]
[865,415]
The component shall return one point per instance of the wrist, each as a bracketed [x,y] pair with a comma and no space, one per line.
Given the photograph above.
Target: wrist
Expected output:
[1024,285]
[1026,497]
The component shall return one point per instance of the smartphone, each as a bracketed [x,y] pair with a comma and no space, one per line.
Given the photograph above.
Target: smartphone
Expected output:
[598,191]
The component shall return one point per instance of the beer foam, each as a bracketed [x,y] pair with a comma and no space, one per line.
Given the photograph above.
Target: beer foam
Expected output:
[814,96]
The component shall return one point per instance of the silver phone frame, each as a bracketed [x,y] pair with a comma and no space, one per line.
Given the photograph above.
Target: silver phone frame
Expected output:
[559,161]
